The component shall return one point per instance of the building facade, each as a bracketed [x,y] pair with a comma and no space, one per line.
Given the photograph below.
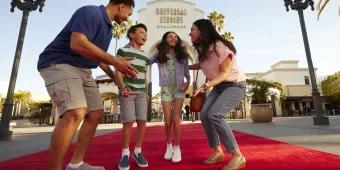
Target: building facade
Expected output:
[296,84]
[161,16]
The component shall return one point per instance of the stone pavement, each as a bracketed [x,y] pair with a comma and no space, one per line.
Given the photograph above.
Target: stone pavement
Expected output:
[293,130]
[296,130]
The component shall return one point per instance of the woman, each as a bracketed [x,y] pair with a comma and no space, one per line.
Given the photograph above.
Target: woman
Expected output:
[172,60]
[228,83]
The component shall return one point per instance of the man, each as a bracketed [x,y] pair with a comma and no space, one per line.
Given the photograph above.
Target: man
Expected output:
[65,66]
[133,97]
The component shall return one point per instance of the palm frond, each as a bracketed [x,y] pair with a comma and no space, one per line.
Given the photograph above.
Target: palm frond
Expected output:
[320,6]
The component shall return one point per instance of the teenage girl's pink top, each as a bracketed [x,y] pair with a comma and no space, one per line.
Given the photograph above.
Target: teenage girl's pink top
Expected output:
[211,65]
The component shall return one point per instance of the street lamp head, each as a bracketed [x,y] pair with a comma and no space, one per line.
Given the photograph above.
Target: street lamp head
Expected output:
[27,5]
[287,3]
[41,4]
[299,4]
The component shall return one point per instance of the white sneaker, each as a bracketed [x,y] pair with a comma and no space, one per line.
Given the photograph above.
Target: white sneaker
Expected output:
[176,157]
[168,153]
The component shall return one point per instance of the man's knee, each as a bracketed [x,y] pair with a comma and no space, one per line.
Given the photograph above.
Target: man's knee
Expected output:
[74,115]
[95,115]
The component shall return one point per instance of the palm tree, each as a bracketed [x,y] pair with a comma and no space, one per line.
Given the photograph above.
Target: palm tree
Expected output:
[228,36]
[21,98]
[217,20]
[2,101]
[260,91]
[119,30]
[321,5]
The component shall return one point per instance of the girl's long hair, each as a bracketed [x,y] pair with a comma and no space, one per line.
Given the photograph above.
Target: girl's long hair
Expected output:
[209,36]
[162,47]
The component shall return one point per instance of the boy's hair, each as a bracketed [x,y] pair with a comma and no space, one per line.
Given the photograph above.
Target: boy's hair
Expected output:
[126,2]
[133,29]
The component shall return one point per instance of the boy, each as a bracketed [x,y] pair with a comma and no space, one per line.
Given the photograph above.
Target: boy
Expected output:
[133,97]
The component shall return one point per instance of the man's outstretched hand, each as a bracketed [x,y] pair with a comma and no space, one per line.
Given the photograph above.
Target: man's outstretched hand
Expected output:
[122,65]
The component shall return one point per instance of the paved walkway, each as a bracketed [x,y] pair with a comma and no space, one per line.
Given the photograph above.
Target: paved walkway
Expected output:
[298,131]
[294,130]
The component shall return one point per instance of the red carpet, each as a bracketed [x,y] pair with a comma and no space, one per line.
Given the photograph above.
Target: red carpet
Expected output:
[261,153]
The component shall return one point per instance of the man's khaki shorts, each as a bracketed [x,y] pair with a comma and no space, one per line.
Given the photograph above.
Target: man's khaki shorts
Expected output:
[71,88]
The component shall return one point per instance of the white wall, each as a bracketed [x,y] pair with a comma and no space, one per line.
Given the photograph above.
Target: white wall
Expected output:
[286,65]
[291,77]
[270,76]
[107,88]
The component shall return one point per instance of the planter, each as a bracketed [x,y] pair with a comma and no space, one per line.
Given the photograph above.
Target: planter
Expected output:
[261,113]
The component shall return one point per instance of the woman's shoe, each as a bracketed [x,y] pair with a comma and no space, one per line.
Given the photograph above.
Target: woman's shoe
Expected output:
[219,157]
[241,163]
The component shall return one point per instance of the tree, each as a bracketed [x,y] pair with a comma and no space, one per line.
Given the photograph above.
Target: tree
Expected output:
[21,98]
[228,36]
[119,30]
[217,20]
[261,91]
[331,86]
[2,101]
[321,5]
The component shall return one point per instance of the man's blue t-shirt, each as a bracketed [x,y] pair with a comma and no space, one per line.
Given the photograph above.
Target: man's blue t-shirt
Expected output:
[93,22]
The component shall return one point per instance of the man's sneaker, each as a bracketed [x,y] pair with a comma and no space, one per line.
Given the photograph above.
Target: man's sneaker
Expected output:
[168,153]
[124,163]
[86,166]
[140,160]
[176,157]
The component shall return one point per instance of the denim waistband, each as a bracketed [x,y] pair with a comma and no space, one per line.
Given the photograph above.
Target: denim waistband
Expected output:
[223,85]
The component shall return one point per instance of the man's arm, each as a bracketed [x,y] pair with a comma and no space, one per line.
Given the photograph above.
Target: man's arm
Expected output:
[81,45]
[106,68]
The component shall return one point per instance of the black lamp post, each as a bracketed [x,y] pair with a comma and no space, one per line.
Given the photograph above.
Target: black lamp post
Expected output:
[300,5]
[26,6]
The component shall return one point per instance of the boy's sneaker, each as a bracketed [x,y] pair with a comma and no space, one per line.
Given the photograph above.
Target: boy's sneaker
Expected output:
[124,163]
[168,153]
[86,166]
[176,157]
[140,160]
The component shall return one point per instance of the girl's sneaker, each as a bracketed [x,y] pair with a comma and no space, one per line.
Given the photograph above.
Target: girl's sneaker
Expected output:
[169,152]
[176,157]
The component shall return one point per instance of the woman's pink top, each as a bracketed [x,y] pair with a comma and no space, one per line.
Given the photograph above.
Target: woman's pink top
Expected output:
[211,65]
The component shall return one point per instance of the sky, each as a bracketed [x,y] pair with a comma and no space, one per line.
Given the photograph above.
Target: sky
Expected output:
[264,34]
